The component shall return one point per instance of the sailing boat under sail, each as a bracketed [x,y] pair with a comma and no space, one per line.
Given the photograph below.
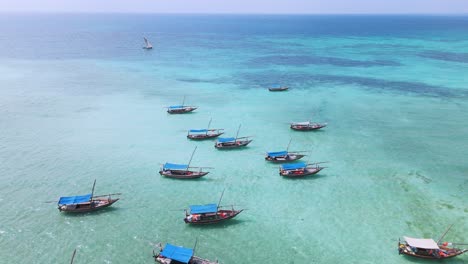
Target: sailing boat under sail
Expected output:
[147,44]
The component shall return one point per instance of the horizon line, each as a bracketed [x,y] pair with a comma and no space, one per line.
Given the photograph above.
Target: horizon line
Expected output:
[226,13]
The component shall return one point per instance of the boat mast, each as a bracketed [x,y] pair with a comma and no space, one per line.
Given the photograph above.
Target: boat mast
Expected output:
[220,198]
[92,192]
[190,161]
[195,246]
[208,127]
[289,144]
[73,256]
[183,101]
[237,134]
[438,241]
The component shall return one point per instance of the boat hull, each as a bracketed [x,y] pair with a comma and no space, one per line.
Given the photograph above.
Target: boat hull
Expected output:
[182,110]
[193,260]
[405,250]
[229,145]
[307,128]
[299,174]
[288,158]
[183,174]
[282,89]
[203,137]
[87,207]
[229,214]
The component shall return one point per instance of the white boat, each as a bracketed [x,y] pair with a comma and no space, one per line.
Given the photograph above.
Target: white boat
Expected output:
[147,44]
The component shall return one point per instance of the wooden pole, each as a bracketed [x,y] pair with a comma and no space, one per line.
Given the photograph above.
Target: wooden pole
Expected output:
[438,241]
[73,256]
[237,134]
[92,192]
[289,144]
[190,161]
[220,198]
[208,127]
[183,101]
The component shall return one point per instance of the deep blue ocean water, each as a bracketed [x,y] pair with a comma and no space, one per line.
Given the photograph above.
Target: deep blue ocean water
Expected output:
[81,100]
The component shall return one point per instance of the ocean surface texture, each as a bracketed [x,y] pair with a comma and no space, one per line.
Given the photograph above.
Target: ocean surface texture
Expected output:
[81,100]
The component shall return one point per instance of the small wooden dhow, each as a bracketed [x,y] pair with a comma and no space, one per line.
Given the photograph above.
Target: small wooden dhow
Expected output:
[207,133]
[209,214]
[428,248]
[148,45]
[180,109]
[171,254]
[307,126]
[284,156]
[183,171]
[85,203]
[278,88]
[301,169]
[231,142]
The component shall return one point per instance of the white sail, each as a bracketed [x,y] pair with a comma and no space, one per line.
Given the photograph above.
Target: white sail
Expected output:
[148,44]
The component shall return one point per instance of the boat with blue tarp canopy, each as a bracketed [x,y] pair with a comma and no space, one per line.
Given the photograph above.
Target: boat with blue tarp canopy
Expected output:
[307,126]
[177,254]
[209,213]
[85,203]
[180,109]
[284,155]
[203,209]
[299,169]
[232,142]
[182,171]
[200,134]
[180,254]
[173,166]
[74,199]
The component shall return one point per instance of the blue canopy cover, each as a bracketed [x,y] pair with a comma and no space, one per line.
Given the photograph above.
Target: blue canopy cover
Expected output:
[173,166]
[198,130]
[74,199]
[224,140]
[293,166]
[203,209]
[278,153]
[176,106]
[180,254]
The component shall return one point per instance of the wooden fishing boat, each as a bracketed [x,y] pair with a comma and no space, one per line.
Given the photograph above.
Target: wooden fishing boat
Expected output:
[85,203]
[283,156]
[182,171]
[301,169]
[307,126]
[171,254]
[147,44]
[180,109]
[231,143]
[209,214]
[201,134]
[428,248]
[278,88]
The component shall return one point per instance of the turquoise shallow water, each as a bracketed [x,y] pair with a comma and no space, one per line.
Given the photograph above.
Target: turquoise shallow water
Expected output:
[80,100]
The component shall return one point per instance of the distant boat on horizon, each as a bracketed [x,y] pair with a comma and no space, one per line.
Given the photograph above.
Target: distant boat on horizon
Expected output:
[147,44]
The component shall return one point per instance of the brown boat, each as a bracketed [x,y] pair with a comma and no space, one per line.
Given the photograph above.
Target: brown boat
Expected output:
[182,171]
[284,156]
[171,254]
[180,109]
[307,126]
[209,213]
[428,248]
[85,203]
[301,169]
[231,142]
[278,88]
[201,134]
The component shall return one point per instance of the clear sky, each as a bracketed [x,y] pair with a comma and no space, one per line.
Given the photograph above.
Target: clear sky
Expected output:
[238,6]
